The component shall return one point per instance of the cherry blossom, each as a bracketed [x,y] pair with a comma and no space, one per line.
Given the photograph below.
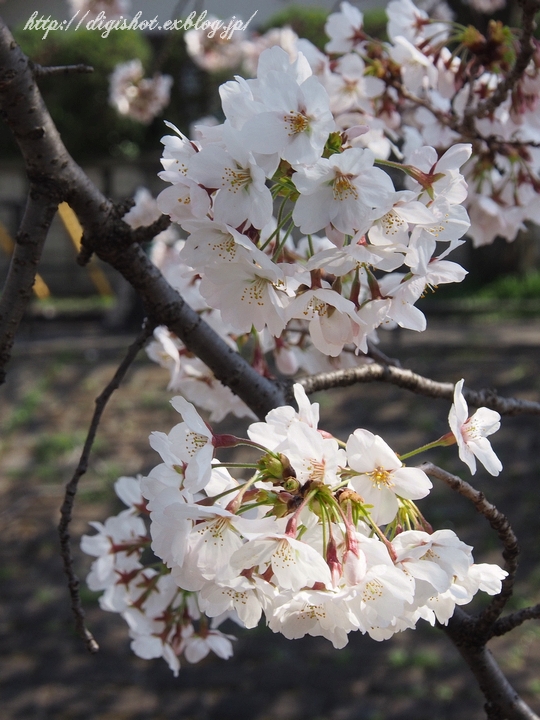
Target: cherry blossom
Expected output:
[380,476]
[471,433]
[141,99]
[345,190]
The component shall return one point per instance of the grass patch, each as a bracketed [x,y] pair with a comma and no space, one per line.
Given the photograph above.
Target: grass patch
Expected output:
[26,408]
[526,287]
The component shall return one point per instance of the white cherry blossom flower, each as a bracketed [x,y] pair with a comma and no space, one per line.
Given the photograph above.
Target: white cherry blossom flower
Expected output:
[241,184]
[312,612]
[196,646]
[239,594]
[295,564]
[183,201]
[405,19]
[349,88]
[272,433]
[332,318]
[344,29]
[312,456]
[194,441]
[345,190]
[145,211]
[295,122]
[417,70]
[381,476]
[471,433]
[211,50]
[249,292]
[381,596]
[137,97]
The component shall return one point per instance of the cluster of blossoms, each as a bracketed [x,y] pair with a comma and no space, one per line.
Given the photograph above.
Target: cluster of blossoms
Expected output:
[324,538]
[413,91]
[347,252]
[135,96]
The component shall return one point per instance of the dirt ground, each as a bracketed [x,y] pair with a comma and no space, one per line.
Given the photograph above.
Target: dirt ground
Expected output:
[45,672]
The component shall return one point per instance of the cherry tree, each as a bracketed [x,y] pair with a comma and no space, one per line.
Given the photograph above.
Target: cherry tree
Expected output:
[281,245]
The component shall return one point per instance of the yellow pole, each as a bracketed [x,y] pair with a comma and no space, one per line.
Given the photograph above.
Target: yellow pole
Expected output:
[40,288]
[75,232]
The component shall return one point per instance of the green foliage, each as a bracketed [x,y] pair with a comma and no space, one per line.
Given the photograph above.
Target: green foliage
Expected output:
[78,103]
[519,287]
[26,408]
[375,23]
[50,446]
[307,22]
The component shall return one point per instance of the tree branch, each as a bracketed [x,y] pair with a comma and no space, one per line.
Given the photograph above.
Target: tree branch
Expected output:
[505,624]
[30,240]
[49,164]
[526,51]
[470,634]
[45,71]
[71,488]
[482,624]
[418,384]
[503,702]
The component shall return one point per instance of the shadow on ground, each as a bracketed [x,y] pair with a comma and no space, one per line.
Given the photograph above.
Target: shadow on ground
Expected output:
[45,673]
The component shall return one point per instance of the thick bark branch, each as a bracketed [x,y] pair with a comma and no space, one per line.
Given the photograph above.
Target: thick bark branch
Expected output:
[418,384]
[17,291]
[49,164]
[503,702]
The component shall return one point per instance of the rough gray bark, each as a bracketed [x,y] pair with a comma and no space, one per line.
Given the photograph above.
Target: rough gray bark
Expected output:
[418,384]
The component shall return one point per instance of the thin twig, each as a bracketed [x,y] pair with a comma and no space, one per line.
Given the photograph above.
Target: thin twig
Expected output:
[38,215]
[417,384]
[45,71]
[71,487]
[147,233]
[526,51]
[505,624]
[482,624]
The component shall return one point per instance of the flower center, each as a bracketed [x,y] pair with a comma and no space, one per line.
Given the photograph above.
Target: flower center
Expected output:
[316,469]
[195,442]
[391,223]
[436,230]
[319,307]
[297,122]
[380,477]
[226,249]
[343,187]
[350,87]
[372,590]
[237,179]
[312,612]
